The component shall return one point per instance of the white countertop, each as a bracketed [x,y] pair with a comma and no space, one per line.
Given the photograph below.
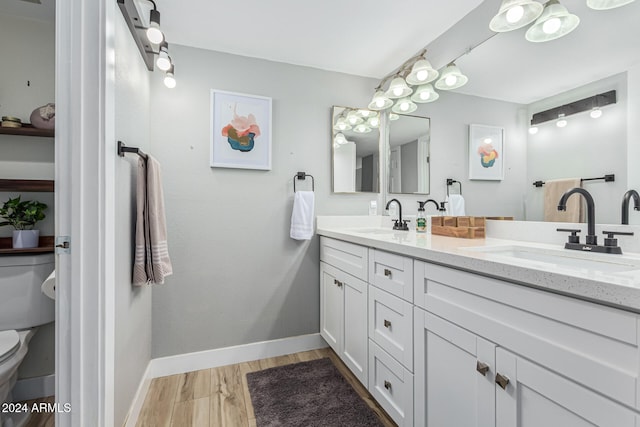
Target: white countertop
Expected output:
[616,288]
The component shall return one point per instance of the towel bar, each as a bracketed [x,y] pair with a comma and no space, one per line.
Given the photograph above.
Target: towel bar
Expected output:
[122,149]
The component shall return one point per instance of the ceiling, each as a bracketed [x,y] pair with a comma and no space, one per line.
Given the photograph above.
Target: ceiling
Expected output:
[373,38]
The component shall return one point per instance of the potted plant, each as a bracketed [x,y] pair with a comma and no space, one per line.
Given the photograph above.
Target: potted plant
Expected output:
[23,215]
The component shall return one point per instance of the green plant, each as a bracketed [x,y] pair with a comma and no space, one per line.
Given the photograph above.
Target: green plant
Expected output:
[22,215]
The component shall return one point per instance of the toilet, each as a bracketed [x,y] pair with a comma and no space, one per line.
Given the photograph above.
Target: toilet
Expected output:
[23,307]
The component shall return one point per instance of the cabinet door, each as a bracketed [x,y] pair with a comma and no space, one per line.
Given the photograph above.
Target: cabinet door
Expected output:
[454,372]
[354,351]
[535,396]
[331,306]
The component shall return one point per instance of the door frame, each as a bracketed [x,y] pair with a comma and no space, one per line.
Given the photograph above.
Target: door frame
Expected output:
[83,193]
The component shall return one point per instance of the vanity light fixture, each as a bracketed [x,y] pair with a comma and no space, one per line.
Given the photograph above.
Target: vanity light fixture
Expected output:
[533,130]
[607,4]
[592,104]
[341,124]
[596,113]
[451,78]
[562,122]
[169,79]
[154,34]
[340,139]
[393,117]
[398,89]
[353,118]
[164,61]
[514,14]
[380,101]
[555,22]
[362,128]
[404,106]
[374,121]
[365,114]
[421,73]
[425,93]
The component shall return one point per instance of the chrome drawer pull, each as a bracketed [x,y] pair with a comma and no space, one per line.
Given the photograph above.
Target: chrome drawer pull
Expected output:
[387,324]
[483,368]
[387,385]
[387,272]
[502,381]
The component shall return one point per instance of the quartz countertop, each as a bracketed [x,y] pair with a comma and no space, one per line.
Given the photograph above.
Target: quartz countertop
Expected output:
[620,289]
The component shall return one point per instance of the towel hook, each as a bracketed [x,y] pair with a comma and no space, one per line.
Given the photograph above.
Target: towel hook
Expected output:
[302,176]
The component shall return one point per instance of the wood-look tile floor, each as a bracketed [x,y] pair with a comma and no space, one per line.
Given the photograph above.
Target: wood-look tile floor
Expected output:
[41,419]
[219,397]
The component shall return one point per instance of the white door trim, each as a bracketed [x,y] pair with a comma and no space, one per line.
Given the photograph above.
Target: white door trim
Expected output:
[84,122]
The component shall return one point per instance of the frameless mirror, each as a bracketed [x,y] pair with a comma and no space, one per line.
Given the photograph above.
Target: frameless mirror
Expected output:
[409,138]
[355,150]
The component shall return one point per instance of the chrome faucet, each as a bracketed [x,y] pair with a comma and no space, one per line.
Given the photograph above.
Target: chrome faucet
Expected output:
[625,204]
[592,239]
[399,224]
[610,243]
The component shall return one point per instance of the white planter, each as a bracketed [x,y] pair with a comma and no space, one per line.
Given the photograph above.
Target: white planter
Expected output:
[24,239]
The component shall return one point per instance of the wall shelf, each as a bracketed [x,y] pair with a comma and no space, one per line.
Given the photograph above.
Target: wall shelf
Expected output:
[27,130]
[28,185]
[45,245]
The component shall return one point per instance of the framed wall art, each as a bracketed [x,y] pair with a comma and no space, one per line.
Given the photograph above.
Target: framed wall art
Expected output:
[240,130]
[486,153]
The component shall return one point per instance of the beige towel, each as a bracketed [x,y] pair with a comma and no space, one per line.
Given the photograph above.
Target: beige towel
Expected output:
[553,191]
[152,263]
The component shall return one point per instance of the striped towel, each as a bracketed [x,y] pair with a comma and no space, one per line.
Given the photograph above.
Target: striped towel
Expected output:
[152,263]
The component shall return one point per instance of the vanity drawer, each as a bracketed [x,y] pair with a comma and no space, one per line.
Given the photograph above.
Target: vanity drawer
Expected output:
[348,257]
[391,325]
[391,384]
[392,273]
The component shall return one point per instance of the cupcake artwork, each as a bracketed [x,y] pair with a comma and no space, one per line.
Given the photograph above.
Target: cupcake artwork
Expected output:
[240,131]
[488,155]
[486,152]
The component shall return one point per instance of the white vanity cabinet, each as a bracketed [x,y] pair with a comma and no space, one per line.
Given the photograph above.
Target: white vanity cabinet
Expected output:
[489,352]
[343,304]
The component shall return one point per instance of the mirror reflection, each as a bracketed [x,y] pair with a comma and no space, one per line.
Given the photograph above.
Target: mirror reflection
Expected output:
[355,153]
[409,139]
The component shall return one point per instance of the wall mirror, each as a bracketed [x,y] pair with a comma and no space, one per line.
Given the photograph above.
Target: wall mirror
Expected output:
[409,138]
[509,80]
[355,150]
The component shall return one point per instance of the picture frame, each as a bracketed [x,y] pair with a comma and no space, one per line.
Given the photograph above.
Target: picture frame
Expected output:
[240,130]
[486,152]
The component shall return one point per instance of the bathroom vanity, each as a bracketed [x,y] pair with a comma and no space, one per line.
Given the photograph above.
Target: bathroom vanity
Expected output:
[456,332]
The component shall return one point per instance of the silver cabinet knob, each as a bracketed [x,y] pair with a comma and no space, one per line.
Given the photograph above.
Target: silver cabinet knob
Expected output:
[483,368]
[502,381]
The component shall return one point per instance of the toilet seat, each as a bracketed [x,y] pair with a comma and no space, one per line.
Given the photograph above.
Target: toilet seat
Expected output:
[9,344]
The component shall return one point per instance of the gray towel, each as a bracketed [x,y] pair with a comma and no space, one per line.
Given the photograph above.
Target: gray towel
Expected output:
[152,263]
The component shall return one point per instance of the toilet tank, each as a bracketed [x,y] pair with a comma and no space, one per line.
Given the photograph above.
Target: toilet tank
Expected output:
[22,303]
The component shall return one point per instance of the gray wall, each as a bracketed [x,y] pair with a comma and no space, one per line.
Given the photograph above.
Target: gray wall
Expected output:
[24,157]
[584,148]
[132,304]
[238,277]
[633,135]
[409,164]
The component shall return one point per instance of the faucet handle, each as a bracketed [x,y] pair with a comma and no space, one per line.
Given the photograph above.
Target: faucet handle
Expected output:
[573,238]
[610,241]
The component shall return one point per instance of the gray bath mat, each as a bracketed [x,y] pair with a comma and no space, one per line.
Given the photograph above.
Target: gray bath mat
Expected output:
[310,393]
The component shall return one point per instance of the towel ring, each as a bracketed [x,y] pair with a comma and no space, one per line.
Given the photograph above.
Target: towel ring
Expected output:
[302,176]
[450,182]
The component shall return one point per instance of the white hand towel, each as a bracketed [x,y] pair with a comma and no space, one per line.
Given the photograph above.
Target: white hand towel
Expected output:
[302,215]
[455,205]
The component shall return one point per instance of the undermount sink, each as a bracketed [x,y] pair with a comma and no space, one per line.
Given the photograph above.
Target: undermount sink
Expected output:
[560,258]
[373,230]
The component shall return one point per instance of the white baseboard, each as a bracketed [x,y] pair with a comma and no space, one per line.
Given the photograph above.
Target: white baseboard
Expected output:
[138,399]
[34,388]
[188,362]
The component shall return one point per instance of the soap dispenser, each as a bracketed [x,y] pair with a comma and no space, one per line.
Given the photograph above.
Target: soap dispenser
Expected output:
[421,219]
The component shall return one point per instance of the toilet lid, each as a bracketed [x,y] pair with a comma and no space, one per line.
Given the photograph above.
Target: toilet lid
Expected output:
[9,344]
